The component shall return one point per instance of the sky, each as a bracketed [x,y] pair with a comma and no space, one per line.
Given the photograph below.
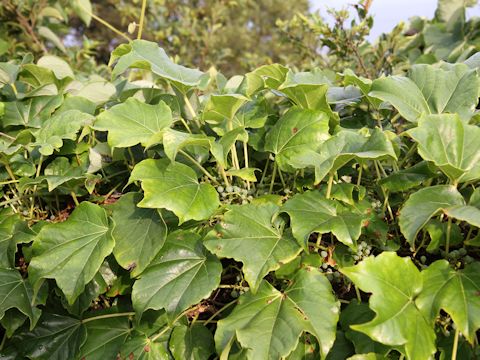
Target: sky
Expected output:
[388,13]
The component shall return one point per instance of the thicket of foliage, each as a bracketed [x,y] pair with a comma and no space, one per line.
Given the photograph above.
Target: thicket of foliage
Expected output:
[328,209]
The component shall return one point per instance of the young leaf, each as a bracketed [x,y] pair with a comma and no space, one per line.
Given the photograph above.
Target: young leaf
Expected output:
[270,322]
[134,122]
[456,292]
[174,186]
[398,320]
[58,128]
[148,55]
[139,233]
[423,205]
[298,133]
[247,234]
[343,147]
[312,212]
[72,252]
[450,144]
[307,90]
[182,274]
[17,293]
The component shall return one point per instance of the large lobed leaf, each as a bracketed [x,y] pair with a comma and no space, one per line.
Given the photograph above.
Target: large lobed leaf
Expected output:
[72,252]
[270,322]
[398,320]
[134,122]
[249,234]
[174,186]
[182,274]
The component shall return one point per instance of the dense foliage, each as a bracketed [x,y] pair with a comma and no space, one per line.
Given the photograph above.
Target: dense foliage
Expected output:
[155,211]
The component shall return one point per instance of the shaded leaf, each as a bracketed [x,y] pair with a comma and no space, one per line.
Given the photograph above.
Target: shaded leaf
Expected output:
[182,274]
[139,233]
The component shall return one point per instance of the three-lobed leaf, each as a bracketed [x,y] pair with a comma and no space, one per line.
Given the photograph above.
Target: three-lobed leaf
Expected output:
[249,234]
[174,186]
[72,252]
[270,322]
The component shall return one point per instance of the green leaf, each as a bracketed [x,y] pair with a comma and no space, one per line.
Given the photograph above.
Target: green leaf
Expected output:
[134,122]
[430,90]
[139,233]
[17,293]
[222,107]
[174,186]
[247,234]
[344,147]
[142,348]
[308,90]
[450,144]
[104,338]
[57,65]
[423,205]
[72,252]
[357,313]
[182,274]
[56,337]
[247,174]
[48,34]
[265,77]
[270,322]
[411,177]
[173,141]
[148,55]
[298,133]
[59,172]
[83,8]
[8,245]
[191,343]
[456,292]
[58,128]
[312,212]
[32,112]
[398,320]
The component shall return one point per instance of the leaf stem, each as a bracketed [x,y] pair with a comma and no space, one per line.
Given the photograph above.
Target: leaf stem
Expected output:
[455,344]
[107,316]
[7,136]
[245,157]
[106,24]
[224,175]
[74,197]
[329,185]
[197,164]
[274,175]
[142,19]
[220,311]
[264,172]
[360,171]
[190,109]
[447,241]
[359,297]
